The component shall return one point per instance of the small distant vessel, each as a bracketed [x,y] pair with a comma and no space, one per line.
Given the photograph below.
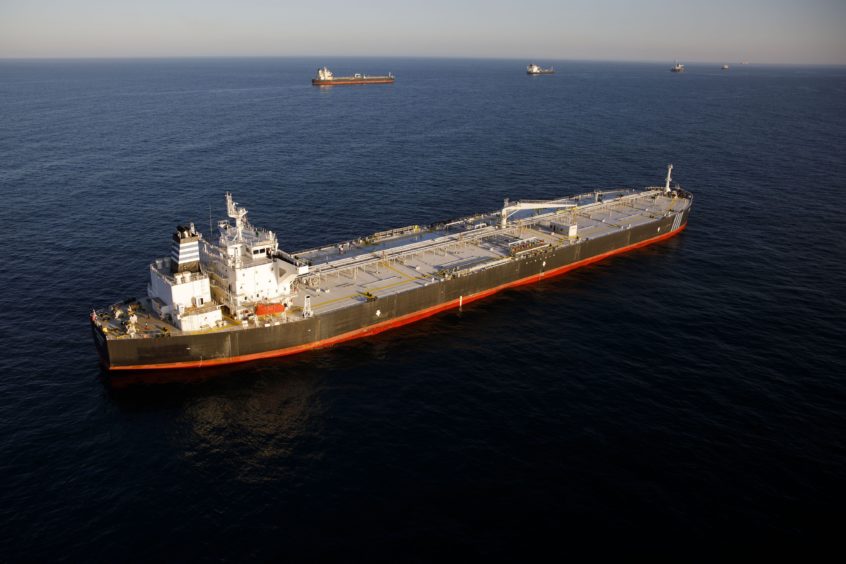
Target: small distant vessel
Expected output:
[725,67]
[678,67]
[537,69]
[326,78]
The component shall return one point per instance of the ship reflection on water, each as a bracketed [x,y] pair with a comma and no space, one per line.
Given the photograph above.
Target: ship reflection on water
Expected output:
[253,414]
[257,432]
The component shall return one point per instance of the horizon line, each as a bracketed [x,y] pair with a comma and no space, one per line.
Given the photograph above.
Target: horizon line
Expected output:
[436,57]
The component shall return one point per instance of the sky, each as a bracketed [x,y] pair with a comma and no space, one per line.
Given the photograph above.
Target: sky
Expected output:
[774,31]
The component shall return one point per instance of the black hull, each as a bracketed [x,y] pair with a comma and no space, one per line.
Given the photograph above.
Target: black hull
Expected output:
[367,318]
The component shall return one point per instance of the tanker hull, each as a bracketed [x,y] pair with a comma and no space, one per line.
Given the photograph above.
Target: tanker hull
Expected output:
[351,81]
[372,316]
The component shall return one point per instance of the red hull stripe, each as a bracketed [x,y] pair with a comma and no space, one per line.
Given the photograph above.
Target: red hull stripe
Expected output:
[345,82]
[399,321]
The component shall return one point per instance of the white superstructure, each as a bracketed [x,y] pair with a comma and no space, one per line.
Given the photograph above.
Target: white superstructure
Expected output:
[325,74]
[199,279]
[244,265]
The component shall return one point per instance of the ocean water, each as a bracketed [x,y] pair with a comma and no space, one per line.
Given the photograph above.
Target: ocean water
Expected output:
[680,398]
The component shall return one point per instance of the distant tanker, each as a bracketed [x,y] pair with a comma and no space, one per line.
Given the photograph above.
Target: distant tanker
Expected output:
[326,78]
[537,69]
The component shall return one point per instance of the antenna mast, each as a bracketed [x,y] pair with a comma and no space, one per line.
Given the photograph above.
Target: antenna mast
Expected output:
[236,213]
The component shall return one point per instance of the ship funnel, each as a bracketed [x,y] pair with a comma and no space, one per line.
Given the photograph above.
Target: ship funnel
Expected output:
[185,249]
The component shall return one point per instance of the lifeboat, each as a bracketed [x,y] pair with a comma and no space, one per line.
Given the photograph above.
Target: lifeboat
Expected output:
[270,309]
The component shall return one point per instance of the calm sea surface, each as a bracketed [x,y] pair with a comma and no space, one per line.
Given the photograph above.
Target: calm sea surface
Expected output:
[681,397]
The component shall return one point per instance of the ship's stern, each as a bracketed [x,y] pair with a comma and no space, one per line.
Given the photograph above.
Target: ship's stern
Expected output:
[100,342]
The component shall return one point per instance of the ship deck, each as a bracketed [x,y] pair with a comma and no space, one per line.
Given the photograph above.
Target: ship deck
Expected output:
[345,273]
[399,260]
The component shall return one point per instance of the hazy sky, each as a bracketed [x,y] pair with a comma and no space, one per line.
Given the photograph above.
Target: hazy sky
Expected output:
[774,31]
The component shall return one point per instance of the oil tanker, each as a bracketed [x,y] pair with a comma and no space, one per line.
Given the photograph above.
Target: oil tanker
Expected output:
[325,77]
[241,298]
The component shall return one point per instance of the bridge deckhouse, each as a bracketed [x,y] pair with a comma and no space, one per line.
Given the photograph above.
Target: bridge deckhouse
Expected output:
[247,270]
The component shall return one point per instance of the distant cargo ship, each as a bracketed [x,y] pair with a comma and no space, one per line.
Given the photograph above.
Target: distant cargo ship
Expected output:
[725,67]
[326,78]
[678,67]
[536,69]
[240,297]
